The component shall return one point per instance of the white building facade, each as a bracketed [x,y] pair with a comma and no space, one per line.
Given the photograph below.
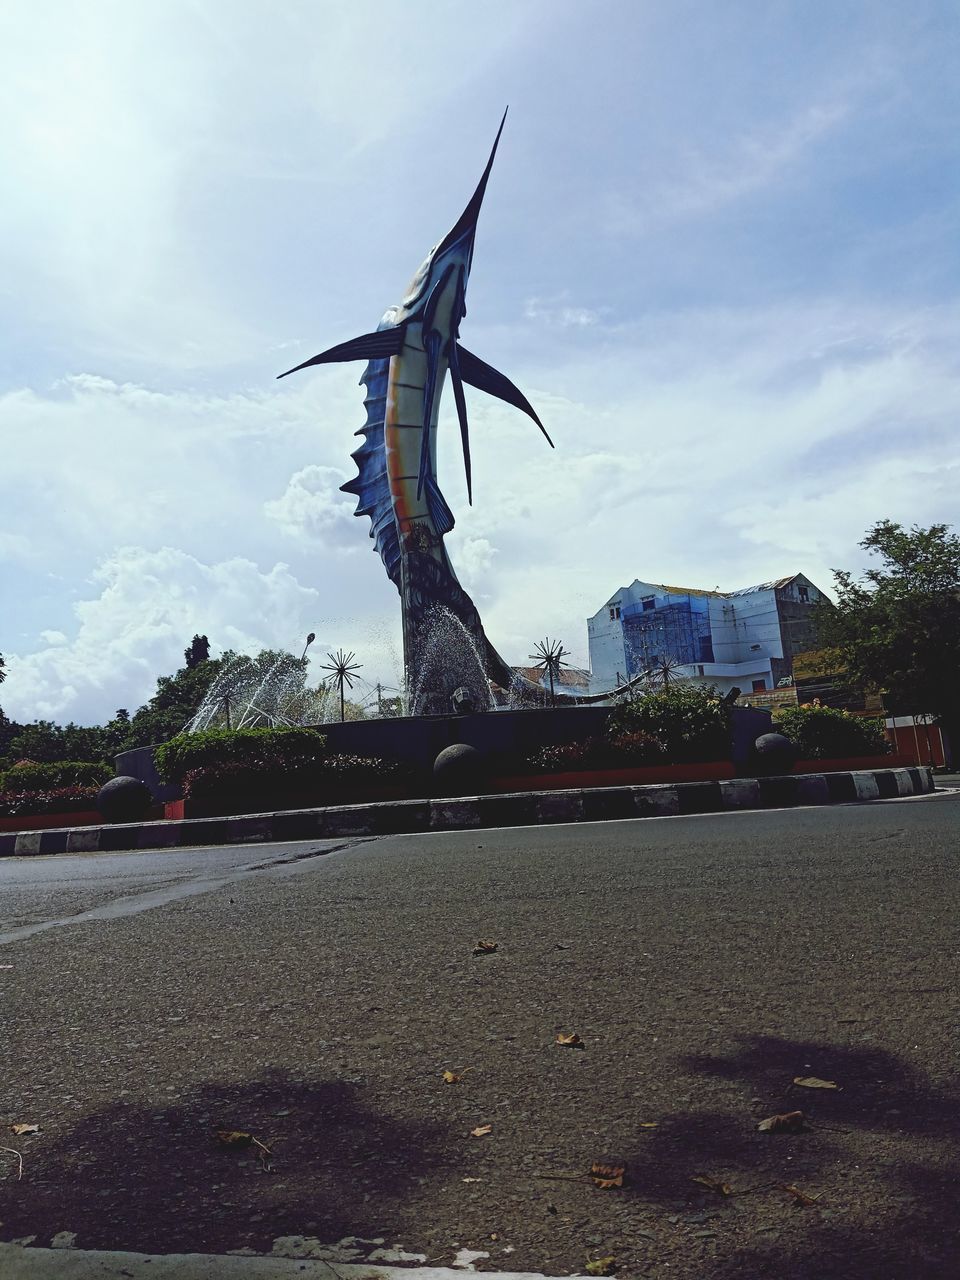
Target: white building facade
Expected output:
[744,639]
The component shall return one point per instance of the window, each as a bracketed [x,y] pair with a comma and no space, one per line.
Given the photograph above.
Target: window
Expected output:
[618,611]
[804,595]
[648,602]
[612,614]
[759,686]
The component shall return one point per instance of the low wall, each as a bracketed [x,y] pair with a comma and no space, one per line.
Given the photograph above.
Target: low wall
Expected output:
[418,740]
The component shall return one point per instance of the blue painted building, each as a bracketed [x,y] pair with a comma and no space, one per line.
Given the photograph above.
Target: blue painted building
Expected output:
[742,638]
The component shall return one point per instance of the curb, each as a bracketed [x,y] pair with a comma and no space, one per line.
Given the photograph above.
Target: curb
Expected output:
[527,808]
[19,1263]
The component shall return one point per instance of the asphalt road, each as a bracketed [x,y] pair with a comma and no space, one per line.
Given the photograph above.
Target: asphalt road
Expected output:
[313,995]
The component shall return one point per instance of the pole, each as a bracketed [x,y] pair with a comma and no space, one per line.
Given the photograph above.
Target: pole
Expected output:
[342,716]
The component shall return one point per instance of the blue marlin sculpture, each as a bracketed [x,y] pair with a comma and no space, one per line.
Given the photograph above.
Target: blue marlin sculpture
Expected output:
[408,357]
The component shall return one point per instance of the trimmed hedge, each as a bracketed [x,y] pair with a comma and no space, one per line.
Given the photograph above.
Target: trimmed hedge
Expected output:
[243,781]
[827,733]
[689,723]
[76,799]
[597,753]
[45,777]
[263,750]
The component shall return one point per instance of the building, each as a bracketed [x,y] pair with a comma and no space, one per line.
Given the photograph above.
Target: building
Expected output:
[745,639]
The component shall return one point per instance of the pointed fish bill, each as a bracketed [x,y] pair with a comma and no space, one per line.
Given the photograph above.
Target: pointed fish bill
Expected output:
[467,222]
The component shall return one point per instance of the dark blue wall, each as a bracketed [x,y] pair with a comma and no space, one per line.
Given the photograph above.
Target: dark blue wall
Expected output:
[418,740]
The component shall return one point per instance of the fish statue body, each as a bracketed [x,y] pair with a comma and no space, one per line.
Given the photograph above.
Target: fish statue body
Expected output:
[409,356]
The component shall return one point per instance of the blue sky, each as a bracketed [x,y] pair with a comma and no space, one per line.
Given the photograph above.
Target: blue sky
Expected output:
[718,252]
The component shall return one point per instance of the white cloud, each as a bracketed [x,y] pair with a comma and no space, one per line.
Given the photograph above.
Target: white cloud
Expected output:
[699,182]
[555,311]
[150,604]
[313,508]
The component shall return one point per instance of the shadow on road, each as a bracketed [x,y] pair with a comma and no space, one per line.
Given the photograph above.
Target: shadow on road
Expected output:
[156,1180]
[879,1156]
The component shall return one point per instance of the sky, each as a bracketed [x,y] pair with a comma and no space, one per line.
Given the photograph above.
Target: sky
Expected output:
[719,252]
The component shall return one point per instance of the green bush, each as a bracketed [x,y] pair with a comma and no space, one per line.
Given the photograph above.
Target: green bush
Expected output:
[619,752]
[827,733]
[17,804]
[688,722]
[44,777]
[245,781]
[267,750]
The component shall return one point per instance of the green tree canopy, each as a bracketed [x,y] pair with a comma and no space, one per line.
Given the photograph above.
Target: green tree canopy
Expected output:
[175,702]
[898,630]
[197,651]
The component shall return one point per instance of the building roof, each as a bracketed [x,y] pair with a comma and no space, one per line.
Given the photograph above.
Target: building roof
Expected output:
[766,586]
[570,677]
[773,585]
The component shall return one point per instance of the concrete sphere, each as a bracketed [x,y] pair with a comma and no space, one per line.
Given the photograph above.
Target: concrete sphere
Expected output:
[459,766]
[124,799]
[773,753]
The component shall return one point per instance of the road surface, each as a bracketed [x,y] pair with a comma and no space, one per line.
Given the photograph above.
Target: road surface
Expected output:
[313,995]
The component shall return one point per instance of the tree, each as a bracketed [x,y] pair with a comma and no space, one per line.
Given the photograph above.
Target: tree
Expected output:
[175,702]
[898,631]
[3,674]
[198,651]
[47,743]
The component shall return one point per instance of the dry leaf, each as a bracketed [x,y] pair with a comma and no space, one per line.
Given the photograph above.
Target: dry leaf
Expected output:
[233,1138]
[713,1184]
[800,1198]
[471,1179]
[19,1129]
[572,1041]
[600,1266]
[485,947]
[812,1082]
[789,1122]
[454,1077]
[607,1175]
[481,1131]
[237,1138]
[648,1124]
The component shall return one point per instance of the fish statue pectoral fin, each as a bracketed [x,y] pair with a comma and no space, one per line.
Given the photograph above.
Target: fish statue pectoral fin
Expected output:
[440,513]
[484,377]
[369,346]
[457,379]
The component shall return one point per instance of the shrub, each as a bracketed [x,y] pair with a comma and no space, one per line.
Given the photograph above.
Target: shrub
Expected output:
[16,804]
[689,722]
[597,753]
[233,781]
[259,749]
[827,733]
[65,773]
